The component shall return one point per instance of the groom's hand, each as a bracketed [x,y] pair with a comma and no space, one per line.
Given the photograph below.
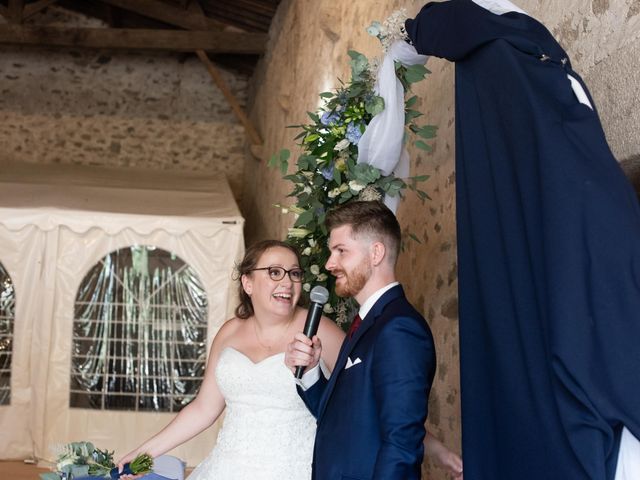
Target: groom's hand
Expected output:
[303,351]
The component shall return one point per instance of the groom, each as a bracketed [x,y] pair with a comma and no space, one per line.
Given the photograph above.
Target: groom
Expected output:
[372,409]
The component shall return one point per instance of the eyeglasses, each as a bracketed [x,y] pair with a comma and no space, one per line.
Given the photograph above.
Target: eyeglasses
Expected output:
[277,273]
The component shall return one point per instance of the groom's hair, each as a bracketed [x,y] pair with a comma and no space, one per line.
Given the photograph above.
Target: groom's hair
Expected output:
[371,219]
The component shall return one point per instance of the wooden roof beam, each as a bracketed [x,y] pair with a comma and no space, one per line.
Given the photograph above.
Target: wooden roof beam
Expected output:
[32,8]
[250,130]
[142,39]
[168,14]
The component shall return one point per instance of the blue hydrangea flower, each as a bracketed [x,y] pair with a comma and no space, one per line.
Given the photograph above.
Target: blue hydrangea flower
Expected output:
[353,133]
[329,118]
[327,172]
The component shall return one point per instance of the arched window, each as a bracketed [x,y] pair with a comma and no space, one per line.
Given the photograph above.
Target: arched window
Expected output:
[139,333]
[7,315]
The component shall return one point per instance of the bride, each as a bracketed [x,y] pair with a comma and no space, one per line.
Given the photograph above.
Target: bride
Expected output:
[268,433]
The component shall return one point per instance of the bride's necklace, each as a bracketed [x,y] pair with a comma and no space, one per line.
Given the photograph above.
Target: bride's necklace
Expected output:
[277,341]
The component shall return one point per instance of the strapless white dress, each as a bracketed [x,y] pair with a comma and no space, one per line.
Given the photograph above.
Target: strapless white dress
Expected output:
[267,433]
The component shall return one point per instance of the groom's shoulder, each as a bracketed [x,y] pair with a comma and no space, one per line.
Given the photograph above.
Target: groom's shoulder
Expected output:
[401,312]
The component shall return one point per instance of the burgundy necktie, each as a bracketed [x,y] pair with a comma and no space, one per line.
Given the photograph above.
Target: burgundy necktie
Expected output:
[354,326]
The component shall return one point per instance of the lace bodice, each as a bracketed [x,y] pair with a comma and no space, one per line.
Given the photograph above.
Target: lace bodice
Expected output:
[267,432]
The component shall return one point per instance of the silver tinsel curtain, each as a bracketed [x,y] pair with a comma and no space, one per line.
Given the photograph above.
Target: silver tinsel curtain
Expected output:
[7,315]
[139,333]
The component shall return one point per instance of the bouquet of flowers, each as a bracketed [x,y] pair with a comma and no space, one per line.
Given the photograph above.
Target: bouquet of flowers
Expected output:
[81,459]
[328,173]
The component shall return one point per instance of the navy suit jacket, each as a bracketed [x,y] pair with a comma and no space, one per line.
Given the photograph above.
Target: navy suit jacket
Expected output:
[371,415]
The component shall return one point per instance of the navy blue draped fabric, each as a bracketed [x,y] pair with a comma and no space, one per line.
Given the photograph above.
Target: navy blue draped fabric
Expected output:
[549,255]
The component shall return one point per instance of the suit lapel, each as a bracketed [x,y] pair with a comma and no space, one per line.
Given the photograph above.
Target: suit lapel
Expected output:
[349,344]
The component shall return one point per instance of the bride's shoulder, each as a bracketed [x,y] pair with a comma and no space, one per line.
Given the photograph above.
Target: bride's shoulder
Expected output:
[228,329]
[226,333]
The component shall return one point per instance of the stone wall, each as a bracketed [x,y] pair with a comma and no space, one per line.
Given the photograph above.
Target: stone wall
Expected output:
[148,110]
[307,53]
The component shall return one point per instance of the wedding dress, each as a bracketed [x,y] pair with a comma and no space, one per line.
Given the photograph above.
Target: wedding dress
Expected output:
[267,433]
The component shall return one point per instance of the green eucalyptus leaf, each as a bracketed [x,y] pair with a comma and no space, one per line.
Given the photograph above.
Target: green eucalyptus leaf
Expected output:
[423,195]
[420,178]
[359,64]
[375,105]
[427,132]
[423,146]
[409,115]
[312,137]
[415,73]
[337,176]
[345,196]
[304,218]
[413,237]
[284,166]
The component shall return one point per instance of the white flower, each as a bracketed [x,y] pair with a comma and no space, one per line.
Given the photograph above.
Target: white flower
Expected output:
[307,189]
[298,232]
[356,186]
[369,193]
[285,210]
[295,209]
[306,287]
[314,269]
[312,242]
[322,277]
[341,145]
[333,193]
[392,30]
[306,251]
[327,308]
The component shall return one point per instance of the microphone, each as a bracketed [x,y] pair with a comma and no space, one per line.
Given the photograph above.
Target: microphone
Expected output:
[319,296]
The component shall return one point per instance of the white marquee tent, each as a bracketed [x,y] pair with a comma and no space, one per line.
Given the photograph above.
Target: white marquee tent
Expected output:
[55,225]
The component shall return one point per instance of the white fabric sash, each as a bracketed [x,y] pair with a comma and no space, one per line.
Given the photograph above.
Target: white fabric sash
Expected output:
[381,145]
[628,467]
[499,6]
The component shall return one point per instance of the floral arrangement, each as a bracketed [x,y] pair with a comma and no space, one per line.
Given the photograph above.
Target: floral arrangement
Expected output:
[327,173]
[81,459]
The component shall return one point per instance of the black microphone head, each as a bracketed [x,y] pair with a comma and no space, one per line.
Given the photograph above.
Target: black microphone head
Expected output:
[319,294]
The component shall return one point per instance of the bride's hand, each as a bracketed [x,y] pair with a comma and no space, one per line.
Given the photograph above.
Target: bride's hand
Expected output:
[303,351]
[129,457]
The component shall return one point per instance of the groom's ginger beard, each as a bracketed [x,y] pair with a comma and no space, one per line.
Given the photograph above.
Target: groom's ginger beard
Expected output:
[354,281]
